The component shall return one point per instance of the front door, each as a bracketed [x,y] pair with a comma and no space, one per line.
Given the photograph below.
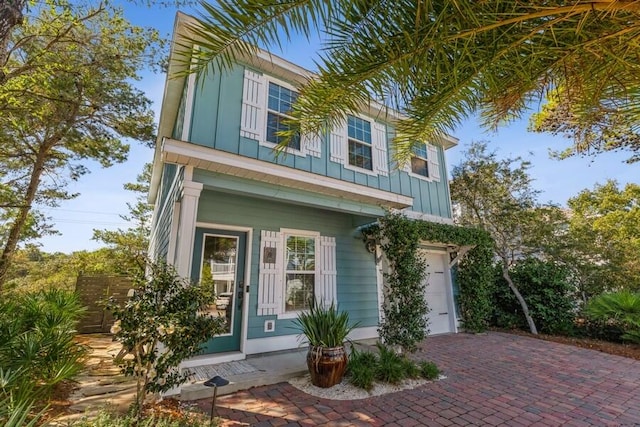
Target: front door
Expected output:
[218,261]
[436,294]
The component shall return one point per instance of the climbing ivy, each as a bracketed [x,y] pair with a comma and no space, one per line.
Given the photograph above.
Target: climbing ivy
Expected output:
[404,306]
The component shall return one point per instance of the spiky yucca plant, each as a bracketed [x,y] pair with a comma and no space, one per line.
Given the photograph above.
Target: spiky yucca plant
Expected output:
[324,326]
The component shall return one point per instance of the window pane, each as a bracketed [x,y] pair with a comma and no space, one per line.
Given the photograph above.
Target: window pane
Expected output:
[359,129]
[275,124]
[360,155]
[420,151]
[219,271]
[280,98]
[301,253]
[419,166]
[298,291]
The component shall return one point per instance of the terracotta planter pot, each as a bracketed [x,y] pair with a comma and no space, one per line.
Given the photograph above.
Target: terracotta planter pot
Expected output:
[326,365]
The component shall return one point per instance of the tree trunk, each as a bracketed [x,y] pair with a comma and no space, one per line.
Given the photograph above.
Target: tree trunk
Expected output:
[23,213]
[10,16]
[523,303]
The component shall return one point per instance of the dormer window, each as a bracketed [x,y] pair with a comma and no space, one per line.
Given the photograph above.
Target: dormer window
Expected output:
[278,108]
[359,133]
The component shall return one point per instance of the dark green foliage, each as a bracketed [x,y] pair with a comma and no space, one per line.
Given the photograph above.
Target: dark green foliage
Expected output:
[546,289]
[163,309]
[106,419]
[391,366]
[404,307]
[411,370]
[361,369]
[324,326]
[429,370]
[475,277]
[387,366]
[37,350]
[620,309]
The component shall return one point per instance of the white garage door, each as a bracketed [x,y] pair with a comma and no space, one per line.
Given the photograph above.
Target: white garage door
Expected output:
[437,295]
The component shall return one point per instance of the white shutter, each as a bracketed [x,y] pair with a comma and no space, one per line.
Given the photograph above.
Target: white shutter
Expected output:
[379,142]
[326,291]
[434,162]
[339,143]
[270,276]
[312,144]
[253,106]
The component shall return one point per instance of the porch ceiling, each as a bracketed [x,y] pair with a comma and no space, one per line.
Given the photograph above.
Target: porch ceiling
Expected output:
[184,153]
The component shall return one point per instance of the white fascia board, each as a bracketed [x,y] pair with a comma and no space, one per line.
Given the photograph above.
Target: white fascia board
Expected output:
[208,158]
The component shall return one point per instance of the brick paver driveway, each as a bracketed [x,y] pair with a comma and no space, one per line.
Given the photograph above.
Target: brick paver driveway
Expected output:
[492,379]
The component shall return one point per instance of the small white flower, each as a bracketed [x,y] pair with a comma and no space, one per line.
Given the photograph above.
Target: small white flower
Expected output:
[171,329]
[161,330]
[116,327]
[162,381]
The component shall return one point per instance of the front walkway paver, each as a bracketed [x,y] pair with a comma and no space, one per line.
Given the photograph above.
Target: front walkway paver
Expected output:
[493,379]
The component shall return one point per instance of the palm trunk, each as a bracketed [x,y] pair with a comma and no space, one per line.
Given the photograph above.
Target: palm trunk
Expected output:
[23,213]
[10,16]
[523,303]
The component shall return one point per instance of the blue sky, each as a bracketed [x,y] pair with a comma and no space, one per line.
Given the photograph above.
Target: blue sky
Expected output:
[102,198]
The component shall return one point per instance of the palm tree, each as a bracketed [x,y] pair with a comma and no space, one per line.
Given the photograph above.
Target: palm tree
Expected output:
[441,61]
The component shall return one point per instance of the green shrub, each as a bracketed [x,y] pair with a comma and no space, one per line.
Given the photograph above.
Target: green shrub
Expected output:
[37,348]
[365,367]
[165,309]
[390,368]
[411,370]
[620,310]
[107,419]
[546,289]
[429,370]
[361,369]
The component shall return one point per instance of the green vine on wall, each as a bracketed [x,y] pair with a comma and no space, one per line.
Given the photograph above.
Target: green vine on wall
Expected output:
[404,307]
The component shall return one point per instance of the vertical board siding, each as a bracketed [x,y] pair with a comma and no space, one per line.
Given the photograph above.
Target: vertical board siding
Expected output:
[169,193]
[356,288]
[220,117]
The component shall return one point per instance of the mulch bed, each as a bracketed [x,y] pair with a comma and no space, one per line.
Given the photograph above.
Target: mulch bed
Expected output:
[631,351]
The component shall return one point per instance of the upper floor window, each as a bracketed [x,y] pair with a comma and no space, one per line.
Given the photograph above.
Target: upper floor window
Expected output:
[278,106]
[425,163]
[266,106]
[420,161]
[360,147]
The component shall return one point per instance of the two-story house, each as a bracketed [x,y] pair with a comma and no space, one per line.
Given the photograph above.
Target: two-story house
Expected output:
[272,231]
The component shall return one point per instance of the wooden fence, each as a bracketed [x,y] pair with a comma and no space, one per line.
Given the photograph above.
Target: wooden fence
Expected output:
[93,291]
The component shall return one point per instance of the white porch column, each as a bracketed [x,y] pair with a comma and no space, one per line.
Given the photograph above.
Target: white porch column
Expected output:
[187,228]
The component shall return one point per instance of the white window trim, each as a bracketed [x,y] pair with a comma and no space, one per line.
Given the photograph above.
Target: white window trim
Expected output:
[284,232]
[346,163]
[429,178]
[264,142]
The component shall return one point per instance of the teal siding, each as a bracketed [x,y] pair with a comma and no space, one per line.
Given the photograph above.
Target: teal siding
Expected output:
[356,277]
[168,195]
[177,128]
[216,123]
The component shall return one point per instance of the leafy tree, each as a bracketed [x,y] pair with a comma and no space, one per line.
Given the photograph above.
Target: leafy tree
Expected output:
[440,61]
[130,246]
[32,269]
[603,238]
[67,97]
[547,289]
[602,129]
[497,196]
[163,309]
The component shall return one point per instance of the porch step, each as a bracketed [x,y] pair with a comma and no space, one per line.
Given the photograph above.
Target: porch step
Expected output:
[244,374]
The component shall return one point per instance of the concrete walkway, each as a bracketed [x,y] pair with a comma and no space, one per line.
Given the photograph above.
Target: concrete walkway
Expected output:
[493,379]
